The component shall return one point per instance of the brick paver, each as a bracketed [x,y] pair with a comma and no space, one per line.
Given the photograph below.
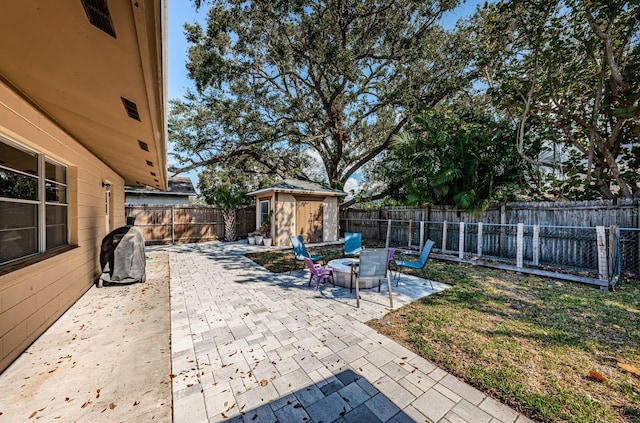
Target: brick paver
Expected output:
[252,346]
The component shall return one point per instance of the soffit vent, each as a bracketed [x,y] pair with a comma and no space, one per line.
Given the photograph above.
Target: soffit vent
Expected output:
[131,108]
[153,173]
[98,13]
[143,145]
[149,163]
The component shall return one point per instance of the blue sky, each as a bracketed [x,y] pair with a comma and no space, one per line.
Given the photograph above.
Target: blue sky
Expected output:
[181,11]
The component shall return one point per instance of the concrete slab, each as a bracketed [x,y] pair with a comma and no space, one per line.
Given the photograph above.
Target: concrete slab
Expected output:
[106,359]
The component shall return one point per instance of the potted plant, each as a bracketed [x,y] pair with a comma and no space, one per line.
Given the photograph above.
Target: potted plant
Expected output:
[265,230]
[251,238]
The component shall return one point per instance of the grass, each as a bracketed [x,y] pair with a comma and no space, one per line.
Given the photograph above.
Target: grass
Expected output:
[530,342]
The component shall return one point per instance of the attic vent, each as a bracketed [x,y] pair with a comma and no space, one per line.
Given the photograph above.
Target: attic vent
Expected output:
[98,13]
[131,108]
[149,163]
[143,145]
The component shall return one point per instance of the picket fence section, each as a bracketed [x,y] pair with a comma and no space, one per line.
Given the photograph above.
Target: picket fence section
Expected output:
[594,242]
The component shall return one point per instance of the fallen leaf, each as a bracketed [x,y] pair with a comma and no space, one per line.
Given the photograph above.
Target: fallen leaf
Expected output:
[597,376]
[136,403]
[98,393]
[112,406]
[33,414]
[629,368]
[264,382]
[298,405]
[616,327]
[615,403]
[247,313]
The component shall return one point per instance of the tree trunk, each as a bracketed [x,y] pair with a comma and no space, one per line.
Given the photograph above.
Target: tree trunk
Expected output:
[229,217]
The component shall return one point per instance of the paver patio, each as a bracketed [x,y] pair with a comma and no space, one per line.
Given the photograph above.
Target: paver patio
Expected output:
[246,346]
[252,346]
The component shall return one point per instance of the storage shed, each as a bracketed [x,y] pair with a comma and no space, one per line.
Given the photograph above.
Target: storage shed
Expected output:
[299,208]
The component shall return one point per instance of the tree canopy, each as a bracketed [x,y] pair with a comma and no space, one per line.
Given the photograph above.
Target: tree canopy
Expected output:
[456,155]
[568,74]
[279,83]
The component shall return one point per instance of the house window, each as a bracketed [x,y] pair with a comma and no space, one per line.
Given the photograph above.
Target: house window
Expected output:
[34,208]
[264,211]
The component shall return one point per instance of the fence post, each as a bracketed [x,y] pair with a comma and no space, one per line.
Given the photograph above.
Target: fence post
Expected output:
[520,245]
[388,232]
[612,248]
[444,235]
[428,219]
[421,235]
[601,241]
[479,239]
[410,230]
[536,245]
[503,229]
[173,225]
[461,241]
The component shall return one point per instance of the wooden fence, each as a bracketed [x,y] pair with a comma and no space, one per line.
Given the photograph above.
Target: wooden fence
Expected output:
[180,224]
[562,237]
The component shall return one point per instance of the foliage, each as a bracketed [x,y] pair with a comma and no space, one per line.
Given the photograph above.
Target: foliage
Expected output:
[222,190]
[462,157]
[568,73]
[281,84]
[265,228]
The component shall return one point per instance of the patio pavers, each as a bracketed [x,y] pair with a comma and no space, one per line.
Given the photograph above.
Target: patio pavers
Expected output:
[246,346]
[249,345]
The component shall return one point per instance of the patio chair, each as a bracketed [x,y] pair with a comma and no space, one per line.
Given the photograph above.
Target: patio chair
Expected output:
[426,250]
[373,265]
[300,251]
[352,243]
[320,272]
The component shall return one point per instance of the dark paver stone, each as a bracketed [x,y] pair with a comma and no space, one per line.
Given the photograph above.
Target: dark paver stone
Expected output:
[328,409]
[361,414]
[382,407]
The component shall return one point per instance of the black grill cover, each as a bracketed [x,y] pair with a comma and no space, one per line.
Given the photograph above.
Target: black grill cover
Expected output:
[122,257]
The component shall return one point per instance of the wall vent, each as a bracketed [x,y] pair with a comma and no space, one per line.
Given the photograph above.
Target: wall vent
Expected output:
[149,163]
[143,145]
[98,13]
[131,108]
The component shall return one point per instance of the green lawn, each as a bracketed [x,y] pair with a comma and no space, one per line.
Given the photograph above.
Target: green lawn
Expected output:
[528,341]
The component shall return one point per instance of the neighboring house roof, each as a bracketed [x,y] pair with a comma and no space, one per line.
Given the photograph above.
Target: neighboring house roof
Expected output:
[97,69]
[177,186]
[302,187]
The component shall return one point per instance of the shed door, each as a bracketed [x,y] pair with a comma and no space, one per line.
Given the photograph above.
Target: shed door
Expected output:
[309,220]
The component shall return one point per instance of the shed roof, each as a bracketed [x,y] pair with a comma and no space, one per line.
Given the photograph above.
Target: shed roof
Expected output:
[302,187]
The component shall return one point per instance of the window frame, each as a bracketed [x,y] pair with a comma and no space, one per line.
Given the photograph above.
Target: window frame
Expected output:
[263,216]
[41,201]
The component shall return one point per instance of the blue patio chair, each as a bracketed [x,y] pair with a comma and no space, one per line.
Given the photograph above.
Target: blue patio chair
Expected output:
[352,243]
[300,251]
[426,250]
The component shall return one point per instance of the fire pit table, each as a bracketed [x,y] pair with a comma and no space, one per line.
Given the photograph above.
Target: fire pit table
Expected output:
[342,273]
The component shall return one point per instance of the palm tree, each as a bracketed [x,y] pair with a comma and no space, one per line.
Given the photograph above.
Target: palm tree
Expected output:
[228,199]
